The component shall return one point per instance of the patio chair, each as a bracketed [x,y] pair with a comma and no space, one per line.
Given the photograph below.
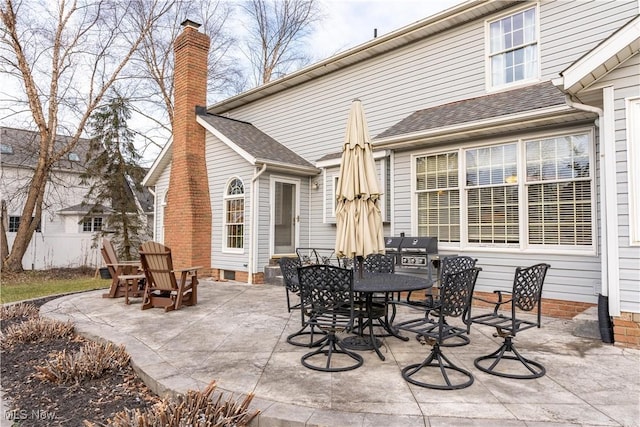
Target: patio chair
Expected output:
[378,263]
[127,278]
[289,268]
[163,289]
[437,371]
[525,296]
[448,265]
[327,303]
[310,256]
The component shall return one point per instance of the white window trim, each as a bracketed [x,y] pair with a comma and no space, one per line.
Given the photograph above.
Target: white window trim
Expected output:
[273,179]
[487,50]
[633,164]
[93,230]
[225,198]
[523,247]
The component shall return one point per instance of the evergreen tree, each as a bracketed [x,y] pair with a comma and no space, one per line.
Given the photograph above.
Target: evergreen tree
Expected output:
[113,174]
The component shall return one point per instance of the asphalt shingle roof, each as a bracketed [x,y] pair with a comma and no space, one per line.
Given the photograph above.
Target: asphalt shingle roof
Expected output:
[255,142]
[529,98]
[25,145]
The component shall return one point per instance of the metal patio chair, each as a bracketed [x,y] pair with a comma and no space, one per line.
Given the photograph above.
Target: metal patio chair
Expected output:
[448,265]
[437,371]
[289,268]
[327,303]
[525,296]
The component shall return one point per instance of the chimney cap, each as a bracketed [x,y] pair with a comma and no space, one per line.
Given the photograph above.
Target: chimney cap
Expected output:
[187,23]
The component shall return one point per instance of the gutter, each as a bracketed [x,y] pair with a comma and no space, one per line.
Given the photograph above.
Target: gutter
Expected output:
[254,225]
[610,261]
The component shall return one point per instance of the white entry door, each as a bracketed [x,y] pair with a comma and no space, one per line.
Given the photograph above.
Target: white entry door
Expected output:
[285,217]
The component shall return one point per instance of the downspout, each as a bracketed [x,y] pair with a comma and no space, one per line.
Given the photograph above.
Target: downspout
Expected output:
[610,262]
[254,222]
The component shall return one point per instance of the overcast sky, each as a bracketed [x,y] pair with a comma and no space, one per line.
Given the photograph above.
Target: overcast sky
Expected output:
[348,23]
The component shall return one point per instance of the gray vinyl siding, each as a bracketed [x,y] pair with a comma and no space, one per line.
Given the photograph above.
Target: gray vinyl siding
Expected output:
[624,79]
[223,163]
[450,66]
[569,29]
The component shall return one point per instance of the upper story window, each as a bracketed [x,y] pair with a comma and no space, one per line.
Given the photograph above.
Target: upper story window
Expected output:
[92,224]
[74,157]
[513,48]
[234,215]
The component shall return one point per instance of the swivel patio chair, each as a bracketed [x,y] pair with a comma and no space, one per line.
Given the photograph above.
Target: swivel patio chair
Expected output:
[309,256]
[525,296]
[163,289]
[448,265]
[289,268]
[379,263]
[437,371]
[327,303]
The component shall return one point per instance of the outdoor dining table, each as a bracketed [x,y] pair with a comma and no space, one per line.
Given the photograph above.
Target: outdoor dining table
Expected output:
[388,283]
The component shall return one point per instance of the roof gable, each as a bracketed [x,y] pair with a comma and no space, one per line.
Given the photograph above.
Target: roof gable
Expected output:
[254,145]
[602,59]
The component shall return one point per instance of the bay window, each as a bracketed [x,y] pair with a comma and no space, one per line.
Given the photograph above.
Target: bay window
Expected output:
[438,196]
[525,193]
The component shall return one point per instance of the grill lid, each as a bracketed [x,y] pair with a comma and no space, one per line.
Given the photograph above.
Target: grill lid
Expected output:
[392,244]
[419,244]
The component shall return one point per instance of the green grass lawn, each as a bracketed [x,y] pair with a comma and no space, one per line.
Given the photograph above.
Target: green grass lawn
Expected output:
[29,285]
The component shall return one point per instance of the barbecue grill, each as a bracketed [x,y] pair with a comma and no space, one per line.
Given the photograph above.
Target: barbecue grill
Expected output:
[415,251]
[392,247]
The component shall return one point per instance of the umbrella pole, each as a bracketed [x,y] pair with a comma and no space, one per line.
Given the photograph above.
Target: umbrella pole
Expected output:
[360,265]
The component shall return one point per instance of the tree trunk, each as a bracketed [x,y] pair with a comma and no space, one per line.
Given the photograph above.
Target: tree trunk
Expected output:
[4,244]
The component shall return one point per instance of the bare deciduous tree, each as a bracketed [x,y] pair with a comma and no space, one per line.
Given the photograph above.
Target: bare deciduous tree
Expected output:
[276,32]
[66,55]
[153,96]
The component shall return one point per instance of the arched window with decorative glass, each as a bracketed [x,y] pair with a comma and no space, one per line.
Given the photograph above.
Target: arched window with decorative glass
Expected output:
[234,215]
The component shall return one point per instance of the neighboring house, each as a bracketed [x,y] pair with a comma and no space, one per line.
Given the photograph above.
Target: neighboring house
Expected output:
[507,129]
[65,238]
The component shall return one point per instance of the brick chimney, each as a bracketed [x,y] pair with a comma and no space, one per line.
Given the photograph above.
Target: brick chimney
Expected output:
[187,218]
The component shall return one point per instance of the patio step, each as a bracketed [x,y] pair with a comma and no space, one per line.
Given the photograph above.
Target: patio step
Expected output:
[586,324]
[272,275]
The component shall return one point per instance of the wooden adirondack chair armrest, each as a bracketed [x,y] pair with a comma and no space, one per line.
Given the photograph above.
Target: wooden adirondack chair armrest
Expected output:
[188,269]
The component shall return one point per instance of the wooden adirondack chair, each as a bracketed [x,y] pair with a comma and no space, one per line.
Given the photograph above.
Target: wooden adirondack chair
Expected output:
[126,276]
[163,289]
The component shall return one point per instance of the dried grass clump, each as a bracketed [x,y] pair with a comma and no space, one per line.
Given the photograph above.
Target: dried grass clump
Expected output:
[36,330]
[196,409]
[18,310]
[93,360]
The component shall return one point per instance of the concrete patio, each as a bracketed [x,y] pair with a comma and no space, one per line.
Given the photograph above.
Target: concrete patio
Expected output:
[236,335]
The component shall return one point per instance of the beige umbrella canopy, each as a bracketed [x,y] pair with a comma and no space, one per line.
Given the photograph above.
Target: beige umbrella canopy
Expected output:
[358,218]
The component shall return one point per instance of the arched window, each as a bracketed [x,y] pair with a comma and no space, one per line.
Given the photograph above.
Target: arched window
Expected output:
[234,215]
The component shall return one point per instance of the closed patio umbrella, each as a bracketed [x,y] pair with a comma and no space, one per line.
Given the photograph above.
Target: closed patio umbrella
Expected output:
[358,217]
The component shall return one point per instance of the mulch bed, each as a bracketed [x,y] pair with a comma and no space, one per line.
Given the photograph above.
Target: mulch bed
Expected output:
[34,402]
